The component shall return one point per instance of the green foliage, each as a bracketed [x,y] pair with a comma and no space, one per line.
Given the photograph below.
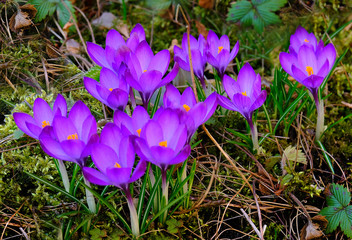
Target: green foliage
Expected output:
[258,13]
[164,4]
[94,72]
[173,225]
[338,212]
[48,7]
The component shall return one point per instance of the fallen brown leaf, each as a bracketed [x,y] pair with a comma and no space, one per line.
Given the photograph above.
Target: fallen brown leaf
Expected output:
[206,3]
[202,29]
[66,28]
[22,18]
[174,43]
[73,46]
[311,231]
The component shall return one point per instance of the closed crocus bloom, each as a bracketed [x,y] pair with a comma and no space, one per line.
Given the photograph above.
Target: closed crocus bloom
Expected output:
[146,71]
[193,114]
[219,54]
[163,141]
[302,38]
[69,139]
[116,48]
[43,116]
[198,53]
[245,96]
[131,125]
[112,90]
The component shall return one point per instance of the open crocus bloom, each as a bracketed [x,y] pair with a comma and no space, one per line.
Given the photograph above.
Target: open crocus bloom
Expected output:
[112,89]
[309,67]
[302,38]
[131,125]
[193,114]
[69,139]
[114,158]
[219,54]
[198,52]
[146,71]
[116,48]
[43,116]
[245,93]
[163,140]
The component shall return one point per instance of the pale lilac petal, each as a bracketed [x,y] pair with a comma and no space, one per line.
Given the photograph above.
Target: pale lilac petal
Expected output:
[225,42]
[306,57]
[153,133]
[144,54]
[63,128]
[160,61]
[42,112]
[140,117]
[103,157]
[114,39]
[109,79]
[74,149]
[231,86]
[90,128]
[259,101]
[95,177]
[97,54]
[78,114]
[61,105]
[111,136]
[286,61]
[139,31]
[21,119]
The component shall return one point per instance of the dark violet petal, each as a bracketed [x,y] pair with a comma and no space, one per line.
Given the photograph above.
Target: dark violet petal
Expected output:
[169,77]
[160,62]
[324,70]
[109,79]
[198,66]
[104,157]
[226,103]
[286,61]
[111,136]
[73,148]
[313,82]
[21,119]
[142,149]
[231,86]
[188,98]
[91,86]
[329,53]
[144,54]
[90,128]
[133,82]
[234,51]
[298,74]
[149,81]
[223,60]
[242,103]
[162,155]
[63,128]
[118,99]
[51,146]
[212,61]
[171,97]
[114,39]
[212,103]
[34,129]
[182,156]
[198,113]
[97,54]
[95,177]
[42,112]
[119,176]
[152,133]
[78,114]
[61,105]
[259,101]
[138,171]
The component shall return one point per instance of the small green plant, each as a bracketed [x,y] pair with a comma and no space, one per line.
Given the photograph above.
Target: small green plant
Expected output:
[258,13]
[46,8]
[339,210]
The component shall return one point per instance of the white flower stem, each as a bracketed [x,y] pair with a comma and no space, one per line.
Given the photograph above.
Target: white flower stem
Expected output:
[133,213]
[165,190]
[64,175]
[254,133]
[320,120]
[90,197]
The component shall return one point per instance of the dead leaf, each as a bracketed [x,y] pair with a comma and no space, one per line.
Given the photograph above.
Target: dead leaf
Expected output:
[66,28]
[290,156]
[174,43]
[311,231]
[106,20]
[209,4]
[30,9]
[202,29]
[51,50]
[22,18]
[73,46]
[123,29]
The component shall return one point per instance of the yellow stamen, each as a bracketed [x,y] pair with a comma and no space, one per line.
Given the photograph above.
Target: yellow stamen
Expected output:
[219,49]
[45,123]
[110,89]
[186,107]
[139,132]
[145,70]
[306,40]
[244,93]
[309,70]
[163,144]
[72,136]
[117,165]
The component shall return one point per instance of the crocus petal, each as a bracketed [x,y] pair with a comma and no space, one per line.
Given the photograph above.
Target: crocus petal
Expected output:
[234,51]
[61,105]
[171,97]
[231,86]
[188,97]
[139,31]
[108,78]
[126,153]
[226,103]
[306,57]
[21,119]
[149,81]
[42,112]
[169,77]
[64,127]
[74,149]
[78,114]
[313,82]
[91,86]
[95,177]
[111,136]
[103,157]
[223,61]
[212,61]
[246,78]
[140,117]
[211,103]
[119,176]
[133,82]
[34,129]
[324,70]
[242,103]
[329,53]
[51,146]
[90,128]
[138,171]
[144,54]
[198,113]
[160,61]
[198,65]
[182,156]
[161,156]
[153,133]
[298,74]
[286,61]
[225,42]
[97,54]
[259,101]
[114,39]
[142,149]
[118,99]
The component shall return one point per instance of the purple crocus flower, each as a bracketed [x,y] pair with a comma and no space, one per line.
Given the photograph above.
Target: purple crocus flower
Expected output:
[163,140]
[114,157]
[116,48]
[245,96]
[43,116]
[309,67]
[112,89]
[198,52]
[219,54]
[146,71]
[302,38]
[69,139]
[131,125]
[191,113]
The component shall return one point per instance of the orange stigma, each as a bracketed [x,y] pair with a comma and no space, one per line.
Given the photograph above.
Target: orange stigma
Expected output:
[110,89]
[244,93]
[45,123]
[305,40]
[72,136]
[163,144]
[139,132]
[186,107]
[145,70]
[219,49]
[117,165]
[309,70]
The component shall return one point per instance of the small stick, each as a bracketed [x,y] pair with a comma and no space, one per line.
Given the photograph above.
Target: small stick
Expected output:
[250,222]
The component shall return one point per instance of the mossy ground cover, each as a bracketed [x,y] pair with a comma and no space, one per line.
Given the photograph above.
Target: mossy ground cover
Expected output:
[36,61]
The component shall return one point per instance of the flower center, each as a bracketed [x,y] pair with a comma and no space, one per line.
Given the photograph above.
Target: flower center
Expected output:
[45,123]
[186,107]
[219,49]
[117,165]
[72,136]
[144,70]
[110,89]
[139,132]
[309,70]
[305,40]
[244,93]
[163,143]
